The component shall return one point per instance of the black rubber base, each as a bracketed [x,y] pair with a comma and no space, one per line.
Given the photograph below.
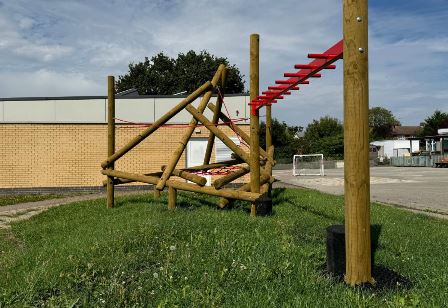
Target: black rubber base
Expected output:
[264,206]
[336,250]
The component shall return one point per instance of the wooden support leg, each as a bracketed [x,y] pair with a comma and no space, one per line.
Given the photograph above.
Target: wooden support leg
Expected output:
[254,120]
[156,193]
[356,143]
[172,197]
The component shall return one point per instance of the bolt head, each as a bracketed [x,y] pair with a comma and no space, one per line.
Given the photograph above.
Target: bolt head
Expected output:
[361,50]
[359,19]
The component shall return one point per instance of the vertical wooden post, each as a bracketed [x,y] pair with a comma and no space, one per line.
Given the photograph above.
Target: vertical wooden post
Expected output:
[156,193]
[172,197]
[254,120]
[110,136]
[356,143]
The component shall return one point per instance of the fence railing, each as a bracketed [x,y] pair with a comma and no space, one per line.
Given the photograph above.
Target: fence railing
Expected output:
[416,161]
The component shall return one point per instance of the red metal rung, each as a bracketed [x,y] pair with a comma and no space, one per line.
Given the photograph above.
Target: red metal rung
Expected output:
[282,88]
[310,66]
[302,75]
[285,81]
[273,93]
[269,96]
[321,55]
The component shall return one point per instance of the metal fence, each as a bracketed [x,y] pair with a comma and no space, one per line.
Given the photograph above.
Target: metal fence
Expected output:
[416,161]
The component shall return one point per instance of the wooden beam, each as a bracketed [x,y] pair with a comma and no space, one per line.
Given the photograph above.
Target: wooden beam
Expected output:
[226,193]
[165,118]
[218,133]
[172,197]
[222,181]
[254,120]
[188,176]
[188,132]
[264,179]
[267,187]
[356,143]
[237,129]
[110,137]
[215,119]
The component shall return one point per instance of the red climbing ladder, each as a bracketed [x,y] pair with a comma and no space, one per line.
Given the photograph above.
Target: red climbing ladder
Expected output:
[305,71]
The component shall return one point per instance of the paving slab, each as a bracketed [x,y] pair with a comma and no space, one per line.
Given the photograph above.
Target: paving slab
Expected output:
[419,188]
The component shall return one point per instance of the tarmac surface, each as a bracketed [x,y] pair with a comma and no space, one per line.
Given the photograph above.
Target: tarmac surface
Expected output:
[418,188]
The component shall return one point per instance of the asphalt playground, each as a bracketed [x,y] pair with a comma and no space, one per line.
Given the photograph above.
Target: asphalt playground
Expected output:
[419,188]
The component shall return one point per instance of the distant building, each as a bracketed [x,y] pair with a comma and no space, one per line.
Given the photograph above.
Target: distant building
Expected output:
[404,132]
[60,142]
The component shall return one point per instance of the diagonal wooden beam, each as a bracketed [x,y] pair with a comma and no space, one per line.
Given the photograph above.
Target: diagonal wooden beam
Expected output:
[165,118]
[189,131]
[218,133]
[219,183]
[215,119]
[236,129]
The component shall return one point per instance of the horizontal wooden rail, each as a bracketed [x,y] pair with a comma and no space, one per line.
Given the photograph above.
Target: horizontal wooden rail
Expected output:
[225,193]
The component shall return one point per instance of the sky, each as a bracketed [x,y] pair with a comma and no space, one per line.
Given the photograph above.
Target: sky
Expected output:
[63,48]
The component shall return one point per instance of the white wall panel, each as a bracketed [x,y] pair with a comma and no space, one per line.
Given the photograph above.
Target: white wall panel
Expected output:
[135,110]
[94,110]
[80,111]
[163,105]
[29,111]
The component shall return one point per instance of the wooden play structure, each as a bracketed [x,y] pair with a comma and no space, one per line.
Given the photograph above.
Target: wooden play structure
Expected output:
[258,162]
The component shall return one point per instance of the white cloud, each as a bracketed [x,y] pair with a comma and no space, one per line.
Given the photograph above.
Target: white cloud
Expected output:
[47,47]
[43,82]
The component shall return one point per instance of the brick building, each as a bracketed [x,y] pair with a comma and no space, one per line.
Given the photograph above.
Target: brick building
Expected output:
[59,142]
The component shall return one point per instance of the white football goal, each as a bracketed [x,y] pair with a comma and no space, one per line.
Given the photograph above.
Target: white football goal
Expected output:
[308,164]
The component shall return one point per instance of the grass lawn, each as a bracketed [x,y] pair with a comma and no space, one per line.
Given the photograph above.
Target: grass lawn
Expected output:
[14,199]
[141,254]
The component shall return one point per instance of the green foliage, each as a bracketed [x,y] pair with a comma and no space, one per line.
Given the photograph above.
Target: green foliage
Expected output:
[139,254]
[325,136]
[381,123]
[284,139]
[434,122]
[162,75]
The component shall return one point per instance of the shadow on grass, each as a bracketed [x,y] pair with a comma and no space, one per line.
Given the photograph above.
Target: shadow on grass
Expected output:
[385,278]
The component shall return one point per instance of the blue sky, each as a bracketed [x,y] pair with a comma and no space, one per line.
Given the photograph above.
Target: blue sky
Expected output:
[58,48]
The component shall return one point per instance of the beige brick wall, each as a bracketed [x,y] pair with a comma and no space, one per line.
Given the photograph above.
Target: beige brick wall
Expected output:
[69,155]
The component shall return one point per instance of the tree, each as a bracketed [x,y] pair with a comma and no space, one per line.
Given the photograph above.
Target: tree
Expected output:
[162,75]
[284,139]
[381,123]
[325,136]
[435,121]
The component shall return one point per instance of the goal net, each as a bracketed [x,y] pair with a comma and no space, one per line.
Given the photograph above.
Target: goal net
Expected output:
[309,164]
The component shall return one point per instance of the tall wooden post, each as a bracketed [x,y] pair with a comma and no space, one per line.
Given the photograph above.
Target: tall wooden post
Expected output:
[356,143]
[110,136]
[254,120]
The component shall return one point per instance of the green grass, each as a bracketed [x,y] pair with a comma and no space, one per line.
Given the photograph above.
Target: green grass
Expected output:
[14,199]
[141,254]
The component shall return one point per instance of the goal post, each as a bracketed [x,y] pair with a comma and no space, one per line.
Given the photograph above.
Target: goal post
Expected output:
[308,164]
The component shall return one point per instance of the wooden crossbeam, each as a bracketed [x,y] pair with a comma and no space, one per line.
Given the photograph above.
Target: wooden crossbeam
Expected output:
[226,193]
